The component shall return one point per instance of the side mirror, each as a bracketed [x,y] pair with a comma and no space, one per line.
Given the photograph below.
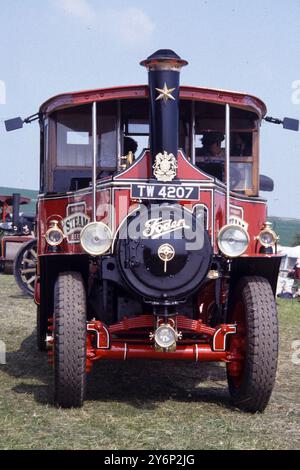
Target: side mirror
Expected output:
[13,124]
[265,183]
[291,124]
[17,123]
[287,123]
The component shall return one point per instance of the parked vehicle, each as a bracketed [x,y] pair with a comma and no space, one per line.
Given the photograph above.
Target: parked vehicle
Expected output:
[289,274]
[15,229]
[149,245]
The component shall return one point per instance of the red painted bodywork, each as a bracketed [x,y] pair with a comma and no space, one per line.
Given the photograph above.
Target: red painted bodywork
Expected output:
[212,195]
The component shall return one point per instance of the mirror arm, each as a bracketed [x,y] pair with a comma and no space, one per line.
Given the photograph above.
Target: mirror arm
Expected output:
[33,117]
[273,120]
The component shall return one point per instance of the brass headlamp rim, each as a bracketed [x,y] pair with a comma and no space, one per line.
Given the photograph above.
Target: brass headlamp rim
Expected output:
[274,235]
[235,226]
[54,226]
[109,238]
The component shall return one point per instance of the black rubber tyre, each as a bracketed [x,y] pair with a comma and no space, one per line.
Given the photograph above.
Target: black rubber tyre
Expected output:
[254,311]
[41,330]
[24,267]
[69,340]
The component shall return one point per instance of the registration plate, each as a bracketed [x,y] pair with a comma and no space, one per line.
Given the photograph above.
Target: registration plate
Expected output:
[165,191]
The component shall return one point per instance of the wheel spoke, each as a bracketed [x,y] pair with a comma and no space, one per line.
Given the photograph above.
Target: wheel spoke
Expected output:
[30,281]
[27,271]
[33,252]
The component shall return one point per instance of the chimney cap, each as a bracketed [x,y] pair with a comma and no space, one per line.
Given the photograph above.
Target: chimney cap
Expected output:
[164,56]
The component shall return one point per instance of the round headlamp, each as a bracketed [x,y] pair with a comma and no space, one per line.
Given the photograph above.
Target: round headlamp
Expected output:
[165,336]
[267,238]
[233,240]
[96,238]
[54,235]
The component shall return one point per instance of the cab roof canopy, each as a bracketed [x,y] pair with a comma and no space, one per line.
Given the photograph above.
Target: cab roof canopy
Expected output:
[233,98]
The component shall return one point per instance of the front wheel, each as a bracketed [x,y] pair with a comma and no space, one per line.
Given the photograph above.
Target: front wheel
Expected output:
[251,378]
[69,340]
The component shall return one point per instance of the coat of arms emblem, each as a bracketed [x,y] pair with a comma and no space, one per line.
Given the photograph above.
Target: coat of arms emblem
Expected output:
[165,166]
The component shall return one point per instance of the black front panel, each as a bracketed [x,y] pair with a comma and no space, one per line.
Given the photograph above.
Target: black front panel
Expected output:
[164,252]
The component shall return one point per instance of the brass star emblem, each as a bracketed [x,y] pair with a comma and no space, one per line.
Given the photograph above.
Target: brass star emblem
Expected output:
[165,93]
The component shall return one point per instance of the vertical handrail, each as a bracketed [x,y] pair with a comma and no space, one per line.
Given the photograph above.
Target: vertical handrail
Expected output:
[119,146]
[95,154]
[192,136]
[227,161]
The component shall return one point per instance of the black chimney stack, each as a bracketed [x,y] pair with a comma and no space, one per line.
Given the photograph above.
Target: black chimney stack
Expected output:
[164,70]
[16,210]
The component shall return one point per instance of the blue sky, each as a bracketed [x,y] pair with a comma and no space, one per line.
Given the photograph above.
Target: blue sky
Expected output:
[51,46]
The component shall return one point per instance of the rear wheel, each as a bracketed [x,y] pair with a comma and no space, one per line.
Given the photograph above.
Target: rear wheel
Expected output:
[251,378]
[69,340]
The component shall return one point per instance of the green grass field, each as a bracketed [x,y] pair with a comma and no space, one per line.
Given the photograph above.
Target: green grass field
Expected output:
[138,405]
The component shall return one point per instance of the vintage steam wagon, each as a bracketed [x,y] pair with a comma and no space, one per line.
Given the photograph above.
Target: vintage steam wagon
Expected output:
[153,241]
